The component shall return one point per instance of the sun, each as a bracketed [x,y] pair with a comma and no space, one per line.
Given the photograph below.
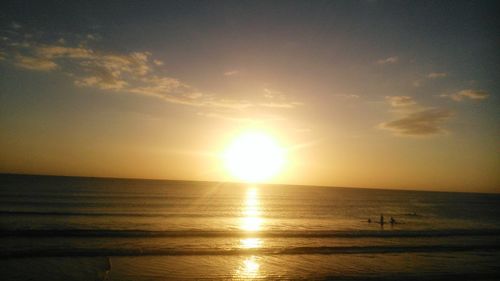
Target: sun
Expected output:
[254,157]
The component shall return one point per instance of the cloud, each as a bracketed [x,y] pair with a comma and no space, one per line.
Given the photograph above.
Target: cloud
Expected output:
[421,123]
[35,63]
[273,94]
[437,75]
[468,94]
[16,25]
[55,51]
[389,60]
[280,105]
[134,73]
[347,96]
[231,73]
[227,117]
[413,119]
[400,101]
[93,37]
[103,82]
[159,85]
[242,117]
[277,99]
[433,76]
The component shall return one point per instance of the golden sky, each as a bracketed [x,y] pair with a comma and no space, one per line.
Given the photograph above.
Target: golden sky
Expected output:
[360,94]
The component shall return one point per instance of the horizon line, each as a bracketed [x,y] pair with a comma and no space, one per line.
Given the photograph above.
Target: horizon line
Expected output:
[235,182]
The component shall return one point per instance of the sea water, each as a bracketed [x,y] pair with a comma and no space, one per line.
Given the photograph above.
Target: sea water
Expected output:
[71,228]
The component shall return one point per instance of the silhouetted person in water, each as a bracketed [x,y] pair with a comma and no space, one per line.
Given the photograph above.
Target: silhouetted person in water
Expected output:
[393,221]
[369,220]
[381,219]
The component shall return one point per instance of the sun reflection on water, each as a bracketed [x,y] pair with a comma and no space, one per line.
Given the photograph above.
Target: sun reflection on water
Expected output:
[250,222]
[250,243]
[249,269]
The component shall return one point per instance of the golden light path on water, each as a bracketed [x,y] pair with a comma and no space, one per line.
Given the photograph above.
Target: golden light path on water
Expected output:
[251,222]
[249,269]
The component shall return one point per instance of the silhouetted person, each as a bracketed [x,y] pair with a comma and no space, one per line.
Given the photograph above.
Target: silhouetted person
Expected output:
[369,220]
[381,219]
[393,221]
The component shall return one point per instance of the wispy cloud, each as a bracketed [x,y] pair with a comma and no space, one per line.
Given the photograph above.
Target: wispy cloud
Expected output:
[437,75]
[35,63]
[389,60]
[231,73]
[280,104]
[254,118]
[277,99]
[429,76]
[227,117]
[467,94]
[400,101]
[421,123]
[57,51]
[273,94]
[16,25]
[135,72]
[347,96]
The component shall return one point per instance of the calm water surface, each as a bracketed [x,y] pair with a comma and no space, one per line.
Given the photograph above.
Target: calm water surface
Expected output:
[70,228]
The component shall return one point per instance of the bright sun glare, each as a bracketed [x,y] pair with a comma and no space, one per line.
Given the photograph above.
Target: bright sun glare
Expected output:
[254,157]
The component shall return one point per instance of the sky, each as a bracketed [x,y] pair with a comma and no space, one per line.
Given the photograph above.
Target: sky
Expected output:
[374,94]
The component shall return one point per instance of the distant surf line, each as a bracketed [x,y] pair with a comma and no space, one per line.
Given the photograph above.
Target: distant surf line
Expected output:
[236,234]
[325,250]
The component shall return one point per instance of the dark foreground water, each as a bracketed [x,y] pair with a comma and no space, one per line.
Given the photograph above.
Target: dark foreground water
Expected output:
[66,228]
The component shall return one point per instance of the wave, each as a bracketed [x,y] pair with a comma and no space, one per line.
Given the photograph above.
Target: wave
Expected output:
[237,234]
[325,250]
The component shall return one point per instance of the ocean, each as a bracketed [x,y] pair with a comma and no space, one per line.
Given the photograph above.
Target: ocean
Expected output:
[74,228]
